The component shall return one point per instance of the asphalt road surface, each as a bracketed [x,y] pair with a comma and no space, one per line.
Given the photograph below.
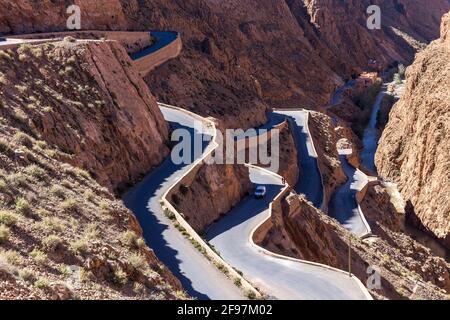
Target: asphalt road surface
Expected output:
[280,278]
[343,206]
[199,277]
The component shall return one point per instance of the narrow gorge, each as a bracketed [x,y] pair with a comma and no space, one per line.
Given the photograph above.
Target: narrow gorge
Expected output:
[112,112]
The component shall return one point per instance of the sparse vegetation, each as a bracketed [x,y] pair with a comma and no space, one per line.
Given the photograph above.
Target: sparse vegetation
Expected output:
[53,224]
[39,256]
[51,243]
[5,147]
[222,268]
[104,207]
[5,55]
[23,139]
[8,218]
[69,205]
[26,275]
[397,79]
[58,191]
[22,206]
[64,270]
[67,184]
[365,102]
[3,186]
[82,173]
[36,172]
[79,246]
[92,231]
[17,180]
[41,283]
[138,288]
[89,195]
[132,240]
[250,295]
[120,277]
[69,39]
[385,108]
[138,262]
[401,70]
[12,257]
[169,214]
[85,275]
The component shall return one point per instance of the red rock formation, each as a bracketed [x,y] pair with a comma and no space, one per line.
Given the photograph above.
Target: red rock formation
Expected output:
[99,110]
[212,191]
[299,230]
[325,140]
[27,16]
[242,56]
[414,149]
[83,104]
[289,168]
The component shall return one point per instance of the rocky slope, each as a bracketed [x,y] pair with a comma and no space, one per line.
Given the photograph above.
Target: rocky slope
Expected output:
[325,140]
[407,269]
[241,57]
[414,149]
[66,137]
[257,57]
[28,16]
[289,168]
[213,191]
[89,102]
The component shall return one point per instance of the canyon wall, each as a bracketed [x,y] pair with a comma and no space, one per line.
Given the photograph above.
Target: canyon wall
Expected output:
[325,139]
[28,16]
[299,230]
[241,57]
[88,100]
[414,149]
[249,55]
[210,192]
[76,121]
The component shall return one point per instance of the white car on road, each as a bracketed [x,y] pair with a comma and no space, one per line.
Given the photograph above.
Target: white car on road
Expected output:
[260,192]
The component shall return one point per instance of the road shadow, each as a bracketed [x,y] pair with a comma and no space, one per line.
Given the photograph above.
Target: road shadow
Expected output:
[162,39]
[143,201]
[310,181]
[343,203]
[248,208]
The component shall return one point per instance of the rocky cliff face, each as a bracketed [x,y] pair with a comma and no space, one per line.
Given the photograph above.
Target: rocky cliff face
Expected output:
[299,230]
[289,168]
[214,191]
[88,101]
[414,149]
[76,119]
[27,16]
[325,139]
[241,57]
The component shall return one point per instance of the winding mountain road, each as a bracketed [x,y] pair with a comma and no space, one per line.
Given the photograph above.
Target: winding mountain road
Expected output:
[372,134]
[310,181]
[343,205]
[199,277]
[162,39]
[280,278]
